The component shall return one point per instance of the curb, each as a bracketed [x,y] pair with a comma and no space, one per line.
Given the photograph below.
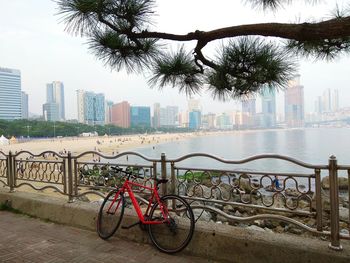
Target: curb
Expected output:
[211,240]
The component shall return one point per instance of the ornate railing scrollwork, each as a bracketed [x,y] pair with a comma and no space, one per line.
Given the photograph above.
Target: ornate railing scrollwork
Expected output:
[232,193]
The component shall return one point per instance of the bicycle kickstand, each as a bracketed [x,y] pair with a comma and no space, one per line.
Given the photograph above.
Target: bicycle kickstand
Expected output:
[132,225]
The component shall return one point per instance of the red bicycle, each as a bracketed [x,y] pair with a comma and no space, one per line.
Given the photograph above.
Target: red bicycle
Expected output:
[169,220]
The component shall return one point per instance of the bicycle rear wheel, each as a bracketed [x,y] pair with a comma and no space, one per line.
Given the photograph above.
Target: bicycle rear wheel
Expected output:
[110,214]
[176,231]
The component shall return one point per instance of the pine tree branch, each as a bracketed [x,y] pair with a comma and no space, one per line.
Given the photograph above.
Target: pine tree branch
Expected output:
[329,29]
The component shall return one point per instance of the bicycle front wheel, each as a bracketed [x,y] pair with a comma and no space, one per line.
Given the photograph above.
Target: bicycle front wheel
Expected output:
[177,228]
[110,214]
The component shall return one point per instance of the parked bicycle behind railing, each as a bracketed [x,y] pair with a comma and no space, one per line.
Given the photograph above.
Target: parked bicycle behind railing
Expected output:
[169,220]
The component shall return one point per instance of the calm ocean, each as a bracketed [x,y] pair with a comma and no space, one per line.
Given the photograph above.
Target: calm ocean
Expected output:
[314,146]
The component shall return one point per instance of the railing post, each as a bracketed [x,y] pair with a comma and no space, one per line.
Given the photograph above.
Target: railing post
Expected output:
[334,203]
[173,178]
[318,199]
[10,172]
[154,170]
[70,178]
[164,175]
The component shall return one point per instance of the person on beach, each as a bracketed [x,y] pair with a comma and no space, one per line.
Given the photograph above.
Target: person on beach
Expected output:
[276,183]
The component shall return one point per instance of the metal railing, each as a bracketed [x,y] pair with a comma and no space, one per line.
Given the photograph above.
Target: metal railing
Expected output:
[219,191]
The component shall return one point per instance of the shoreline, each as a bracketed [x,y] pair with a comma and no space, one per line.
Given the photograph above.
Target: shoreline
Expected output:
[113,144]
[104,144]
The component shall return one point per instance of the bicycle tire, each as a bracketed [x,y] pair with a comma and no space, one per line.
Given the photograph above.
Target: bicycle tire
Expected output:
[174,236]
[108,222]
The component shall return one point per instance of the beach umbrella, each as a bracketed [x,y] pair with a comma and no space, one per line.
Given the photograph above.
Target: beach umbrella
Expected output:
[4,140]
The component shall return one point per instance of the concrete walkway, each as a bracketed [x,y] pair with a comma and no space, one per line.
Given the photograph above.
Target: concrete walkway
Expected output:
[25,239]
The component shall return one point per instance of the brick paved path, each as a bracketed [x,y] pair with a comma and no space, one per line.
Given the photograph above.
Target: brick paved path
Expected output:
[24,239]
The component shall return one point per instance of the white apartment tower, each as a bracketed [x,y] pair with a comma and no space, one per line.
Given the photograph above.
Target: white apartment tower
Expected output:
[10,94]
[80,103]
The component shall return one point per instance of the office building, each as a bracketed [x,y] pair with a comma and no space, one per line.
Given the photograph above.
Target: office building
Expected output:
[55,94]
[209,121]
[80,105]
[168,116]
[24,105]
[94,108]
[195,120]
[91,107]
[327,102]
[108,111]
[249,112]
[294,104]
[10,94]
[335,100]
[140,116]
[121,114]
[183,119]
[249,106]
[223,121]
[268,103]
[156,115]
[51,111]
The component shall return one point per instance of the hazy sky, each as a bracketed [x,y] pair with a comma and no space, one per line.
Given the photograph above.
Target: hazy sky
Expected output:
[33,40]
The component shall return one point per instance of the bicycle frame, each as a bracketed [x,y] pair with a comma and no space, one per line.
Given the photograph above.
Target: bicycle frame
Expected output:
[127,187]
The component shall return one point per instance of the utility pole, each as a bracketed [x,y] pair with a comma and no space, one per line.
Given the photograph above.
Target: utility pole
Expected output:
[28,130]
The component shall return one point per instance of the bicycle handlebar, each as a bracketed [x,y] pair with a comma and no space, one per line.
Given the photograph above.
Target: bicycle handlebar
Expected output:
[128,173]
[118,169]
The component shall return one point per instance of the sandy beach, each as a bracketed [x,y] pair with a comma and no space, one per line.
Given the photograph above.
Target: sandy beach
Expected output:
[107,145]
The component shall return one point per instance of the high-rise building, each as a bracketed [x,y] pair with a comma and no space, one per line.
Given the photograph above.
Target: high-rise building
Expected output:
[248,106]
[10,94]
[249,110]
[94,108]
[140,116]
[208,121]
[335,100]
[121,114]
[294,103]
[91,107]
[108,111]
[268,103]
[156,115]
[80,104]
[327,101]
[211,120]
[195,120]
[24,105]
[51,111]
[55,94]
[183,119]
[223,121]
[169,116]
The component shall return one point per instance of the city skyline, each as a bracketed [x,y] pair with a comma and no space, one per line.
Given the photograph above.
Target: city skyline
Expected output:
[51,54]
[94,109]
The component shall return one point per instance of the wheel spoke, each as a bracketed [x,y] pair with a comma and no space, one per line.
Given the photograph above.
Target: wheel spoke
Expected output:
[110,215]
[178,224]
